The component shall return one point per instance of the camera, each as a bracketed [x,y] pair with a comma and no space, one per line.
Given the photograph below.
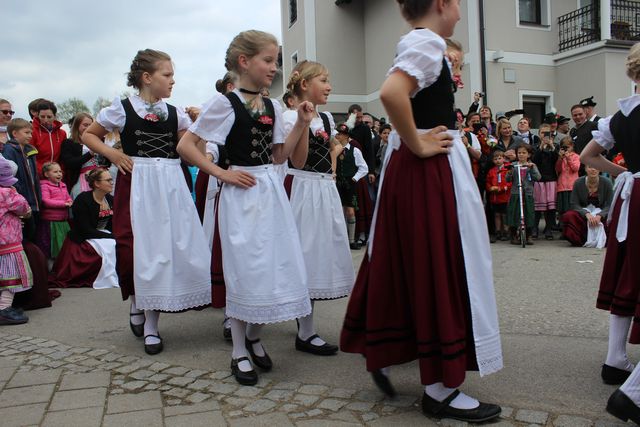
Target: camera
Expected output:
[546,134]
[480,94]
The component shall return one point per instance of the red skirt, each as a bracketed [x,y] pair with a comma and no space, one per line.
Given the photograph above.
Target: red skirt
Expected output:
[39,296]
[202,183]
[124,235]
[620,283]
[574,228]
[218,290]
[77,266]
[410,300]
[364,213]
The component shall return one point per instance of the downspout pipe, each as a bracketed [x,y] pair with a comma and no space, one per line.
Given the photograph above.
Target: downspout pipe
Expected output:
[483,59]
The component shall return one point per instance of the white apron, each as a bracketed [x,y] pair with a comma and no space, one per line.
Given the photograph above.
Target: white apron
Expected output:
[171,258]
[107,276]
[264,271]
[323,234]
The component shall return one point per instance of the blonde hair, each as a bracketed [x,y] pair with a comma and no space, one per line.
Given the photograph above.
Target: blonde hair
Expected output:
[248,43]
[633,63]
[48,166]
[304,70]
[502,123]
[454,44]
[544,126]
[146,61]
[75,125]
[15,125]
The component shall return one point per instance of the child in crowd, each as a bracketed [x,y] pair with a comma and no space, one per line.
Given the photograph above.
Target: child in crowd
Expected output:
[47,134]
[529,174]
[56,201]
[19,150]
[499,190]
[422,291]
[545,189]
[351,167]
[15,273]
[567,167]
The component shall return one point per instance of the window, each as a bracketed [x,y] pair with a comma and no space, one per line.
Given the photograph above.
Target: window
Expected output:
[294,60]
[530,12]
[535,108]
[293,12]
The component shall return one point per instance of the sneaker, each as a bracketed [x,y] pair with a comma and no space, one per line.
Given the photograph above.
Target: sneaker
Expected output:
[11,316]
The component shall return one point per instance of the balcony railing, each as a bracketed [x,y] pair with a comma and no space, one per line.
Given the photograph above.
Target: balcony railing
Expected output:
[582,26]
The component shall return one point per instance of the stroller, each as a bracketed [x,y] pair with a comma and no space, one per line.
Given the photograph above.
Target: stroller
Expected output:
[522,228]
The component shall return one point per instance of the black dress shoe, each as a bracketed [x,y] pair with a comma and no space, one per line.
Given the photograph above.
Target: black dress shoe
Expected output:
[355,246]
[262,362]
[383,383]
[613,376]
[433,408]
[244,378]
[153,348]
[226,332]
[138,330]
[620,406]
[325,349]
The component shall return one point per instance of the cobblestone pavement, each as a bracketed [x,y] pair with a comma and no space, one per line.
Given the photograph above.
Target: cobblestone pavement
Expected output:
[47,383]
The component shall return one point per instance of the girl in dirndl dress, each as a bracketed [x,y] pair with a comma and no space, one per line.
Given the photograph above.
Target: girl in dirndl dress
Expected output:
[620,283]
[257,265]
[162,253]
[421,279]
[316,205]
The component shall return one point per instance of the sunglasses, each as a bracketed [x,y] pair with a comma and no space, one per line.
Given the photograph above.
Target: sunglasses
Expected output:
[8,112]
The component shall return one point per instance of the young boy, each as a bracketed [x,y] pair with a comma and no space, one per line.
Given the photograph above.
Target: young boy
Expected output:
[47,134]
[351,167]
[499,192]
[19,150]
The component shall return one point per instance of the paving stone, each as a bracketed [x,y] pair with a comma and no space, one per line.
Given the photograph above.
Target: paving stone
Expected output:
[165,387]
[126,369]
[92,363]
[343,393]
[149,418]
[117,391]
[195,373]
[402,401]
[306,399]
[55,363]
[208,406]
[369,416]
[87,380]
[238,401]
[265,420]
[220,375]
[286,385]
[313,389]
[361,406]
[76,399]
[532,417]
[142,374]
[110,357]
[79,350]
[260,405]
[96,353]
[176,370]
[86,417]
[6,373]
[6,362]
[24,338]
[128,359]
[49,344]
[204,419]
[369,396]
[314,413]
[134,385]
[118,382]
[26,395]
[247,391]
[198,397]
[143,363]
[180,381]
[388,409]
[152,387]
[280,395]
[609,423]
[109,366]
[134,402]
[75,359]
[409,418]
[506,412]
[263,382]
[8,352]
[177,392]
[448,422]
[33,341]
[289,407]
[22,415]
[45,351]
[344,415]
[158,366]
[174,402]
[297,415]
[572,421]
[158,378]
[200,385]
[332,404]
[326,423]
[223,388]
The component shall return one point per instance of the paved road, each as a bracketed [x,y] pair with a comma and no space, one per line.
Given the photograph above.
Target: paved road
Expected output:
[554,343]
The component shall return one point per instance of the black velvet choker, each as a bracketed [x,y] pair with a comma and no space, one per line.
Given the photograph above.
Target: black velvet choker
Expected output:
[250,92]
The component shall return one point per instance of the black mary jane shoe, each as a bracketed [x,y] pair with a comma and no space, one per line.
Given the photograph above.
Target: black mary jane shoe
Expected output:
[226,332]
[620,406]
[433,408]
[325,349]
[138,330]
[613,376]
[383,383]
[153,348]
[262,362]
[244,378]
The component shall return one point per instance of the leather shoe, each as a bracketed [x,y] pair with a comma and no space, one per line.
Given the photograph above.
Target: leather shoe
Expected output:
[153,348]
[262,362]
[138,330]
[355,246]
[613,376]
[620,406]
[226,331]
[433,408]
[325,349]
[383,383]
[244,378]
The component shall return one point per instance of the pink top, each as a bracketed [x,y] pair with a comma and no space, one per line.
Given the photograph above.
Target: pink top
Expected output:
[12,204]
[567,169]
[54,198]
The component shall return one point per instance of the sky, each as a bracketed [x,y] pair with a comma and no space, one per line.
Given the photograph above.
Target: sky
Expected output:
[83,49]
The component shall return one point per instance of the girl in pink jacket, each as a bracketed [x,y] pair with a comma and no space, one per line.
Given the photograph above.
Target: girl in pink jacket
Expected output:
[53,226]
[567,168]
[15,274]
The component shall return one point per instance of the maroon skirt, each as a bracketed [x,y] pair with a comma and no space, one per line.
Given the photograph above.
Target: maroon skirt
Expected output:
[620,283]
[77,266]
[124,235]
[364,212]
[39,296]
[218,290]
[410,300]
[202,184]
[574,228]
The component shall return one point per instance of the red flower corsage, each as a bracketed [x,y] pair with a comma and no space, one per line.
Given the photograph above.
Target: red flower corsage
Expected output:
[152,117]
[322,134]
[265,120]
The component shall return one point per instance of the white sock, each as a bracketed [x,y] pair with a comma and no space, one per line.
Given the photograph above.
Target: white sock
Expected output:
[253,333]
[631,386]
[136,320]
[151,326]
[227,322]
[439,392]
[238,332]
[362,237]
[617,351]
[6,299]
[386,371]
[351,229]
[306,328]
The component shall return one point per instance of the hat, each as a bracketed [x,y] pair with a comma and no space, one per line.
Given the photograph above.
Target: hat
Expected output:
[500,115]
[342,128]
[550,118]
[563,119]
[587,102]
[8,170]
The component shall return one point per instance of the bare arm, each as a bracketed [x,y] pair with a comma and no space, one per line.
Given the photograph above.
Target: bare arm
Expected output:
[296,144]
[336,149]
[93,138]
[592,156]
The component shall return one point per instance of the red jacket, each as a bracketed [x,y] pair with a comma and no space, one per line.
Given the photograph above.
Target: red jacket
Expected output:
[47,142]
[498,178]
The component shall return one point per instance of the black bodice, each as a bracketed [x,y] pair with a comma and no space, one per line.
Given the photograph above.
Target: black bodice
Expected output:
[144,138]
[319,157]
[434,105]
[626,132]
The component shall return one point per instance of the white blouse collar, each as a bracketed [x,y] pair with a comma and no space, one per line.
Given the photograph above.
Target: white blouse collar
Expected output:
[627,105]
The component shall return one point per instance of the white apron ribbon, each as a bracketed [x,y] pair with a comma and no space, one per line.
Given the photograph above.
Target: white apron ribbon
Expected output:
[622,189]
